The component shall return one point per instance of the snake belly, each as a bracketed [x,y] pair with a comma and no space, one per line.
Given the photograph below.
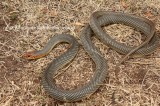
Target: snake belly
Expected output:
[98,19]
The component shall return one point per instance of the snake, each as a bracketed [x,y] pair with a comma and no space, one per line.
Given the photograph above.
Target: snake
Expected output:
[97,20]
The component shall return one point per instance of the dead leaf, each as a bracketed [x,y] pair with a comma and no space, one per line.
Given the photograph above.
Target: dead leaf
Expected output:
[148,14]
[53,13]
[44,10]
[79,24]
[123,3]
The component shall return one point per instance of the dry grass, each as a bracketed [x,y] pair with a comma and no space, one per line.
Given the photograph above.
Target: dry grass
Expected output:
[138,82]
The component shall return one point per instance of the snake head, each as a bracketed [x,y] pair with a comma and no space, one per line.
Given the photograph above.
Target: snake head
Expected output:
[30,55]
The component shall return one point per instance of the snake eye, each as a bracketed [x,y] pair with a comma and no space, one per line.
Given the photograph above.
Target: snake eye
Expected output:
[28,55]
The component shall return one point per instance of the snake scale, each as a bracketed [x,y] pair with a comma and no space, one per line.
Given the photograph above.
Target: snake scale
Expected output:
[97,21]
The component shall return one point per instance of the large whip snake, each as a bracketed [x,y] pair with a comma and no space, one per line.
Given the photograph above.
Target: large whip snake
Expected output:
[97,20]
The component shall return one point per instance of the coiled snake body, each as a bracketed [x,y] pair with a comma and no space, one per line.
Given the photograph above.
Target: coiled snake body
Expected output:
[98,19]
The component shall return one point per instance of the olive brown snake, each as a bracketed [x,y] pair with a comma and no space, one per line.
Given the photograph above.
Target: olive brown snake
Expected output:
[97,20]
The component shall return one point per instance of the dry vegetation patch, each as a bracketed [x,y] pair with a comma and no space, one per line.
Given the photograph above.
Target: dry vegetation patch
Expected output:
[23,28]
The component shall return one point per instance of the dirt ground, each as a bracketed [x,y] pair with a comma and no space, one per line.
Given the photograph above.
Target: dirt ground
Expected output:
[27,25]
